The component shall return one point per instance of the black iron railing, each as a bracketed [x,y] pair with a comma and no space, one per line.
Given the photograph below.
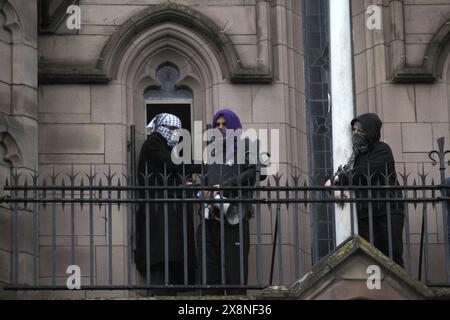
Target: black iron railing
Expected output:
[282,202]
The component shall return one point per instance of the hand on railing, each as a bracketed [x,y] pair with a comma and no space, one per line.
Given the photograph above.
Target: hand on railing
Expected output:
[338,194]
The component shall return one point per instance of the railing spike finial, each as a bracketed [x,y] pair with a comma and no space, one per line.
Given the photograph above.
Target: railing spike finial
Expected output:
[422,175]
[441,154]
[405,176]
[441,144]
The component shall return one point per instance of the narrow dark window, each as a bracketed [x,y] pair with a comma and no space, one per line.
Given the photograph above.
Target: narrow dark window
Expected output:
[317,79]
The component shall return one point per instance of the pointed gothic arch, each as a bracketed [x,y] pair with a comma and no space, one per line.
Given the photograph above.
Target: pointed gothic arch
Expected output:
[12,21]
[211,35]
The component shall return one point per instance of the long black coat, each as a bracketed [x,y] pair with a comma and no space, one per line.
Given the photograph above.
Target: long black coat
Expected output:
[156,156]
[380,161]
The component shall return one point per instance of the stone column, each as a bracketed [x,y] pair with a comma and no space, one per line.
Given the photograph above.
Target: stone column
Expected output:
[342,98]
[18,135]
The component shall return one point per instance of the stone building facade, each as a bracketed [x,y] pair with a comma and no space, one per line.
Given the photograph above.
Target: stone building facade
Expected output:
[68,98]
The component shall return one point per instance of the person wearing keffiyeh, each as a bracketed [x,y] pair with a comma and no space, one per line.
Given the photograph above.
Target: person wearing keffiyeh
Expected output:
[177,231]
[165,124]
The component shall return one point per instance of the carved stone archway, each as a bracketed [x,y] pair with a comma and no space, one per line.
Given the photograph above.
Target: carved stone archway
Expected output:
[211,34]
[172,34]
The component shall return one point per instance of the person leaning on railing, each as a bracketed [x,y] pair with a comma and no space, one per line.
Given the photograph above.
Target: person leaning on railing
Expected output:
[370,154]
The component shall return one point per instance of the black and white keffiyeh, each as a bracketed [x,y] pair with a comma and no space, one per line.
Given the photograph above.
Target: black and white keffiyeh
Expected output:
[161,122]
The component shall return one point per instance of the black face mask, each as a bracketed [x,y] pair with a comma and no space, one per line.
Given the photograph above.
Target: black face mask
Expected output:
[360,142]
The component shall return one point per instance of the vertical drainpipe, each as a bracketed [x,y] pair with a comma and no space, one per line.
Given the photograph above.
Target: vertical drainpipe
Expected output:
[342,97]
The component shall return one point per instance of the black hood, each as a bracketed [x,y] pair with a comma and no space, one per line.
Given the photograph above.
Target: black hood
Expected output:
[371,124]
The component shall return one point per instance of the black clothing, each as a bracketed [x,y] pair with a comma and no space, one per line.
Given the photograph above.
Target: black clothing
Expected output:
[155,157]
[176,274]
[227,175]
[232,256]
[381,237]
[378,161]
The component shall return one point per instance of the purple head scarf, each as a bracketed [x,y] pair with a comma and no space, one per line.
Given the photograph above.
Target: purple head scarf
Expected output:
[233,121]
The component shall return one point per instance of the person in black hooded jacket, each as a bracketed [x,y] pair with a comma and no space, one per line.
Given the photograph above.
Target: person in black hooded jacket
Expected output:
[371,156]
